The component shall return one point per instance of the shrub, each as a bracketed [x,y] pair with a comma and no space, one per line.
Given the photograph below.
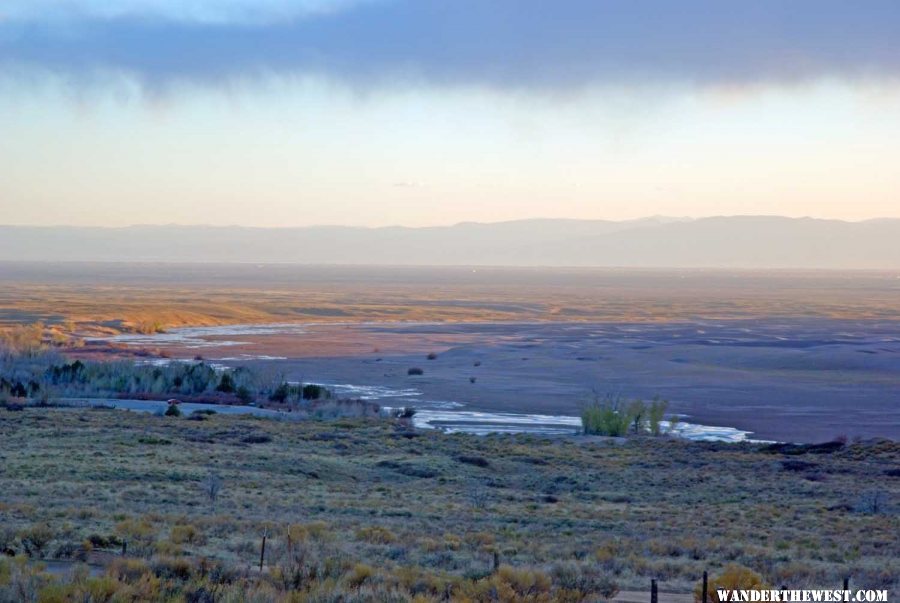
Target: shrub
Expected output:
[36,539]
[478,461]
[360,575]
[126,569]
[245,395]
[605,417]
[172,569]
[431,356]
[186,534]
[311,391]
[153,440]
[655,414]
[415,371]
[257,438]
[173,411]
[511,584]
[138,534]
[281,393]
[733,577]
[637,411]
[579,582]
[226,384]
[211,486]
[375,535]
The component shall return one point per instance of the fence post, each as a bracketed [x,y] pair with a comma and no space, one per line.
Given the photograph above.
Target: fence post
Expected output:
[262,552]
[124,547]
[496,561]
[654,596]
[705,587]
[846,583]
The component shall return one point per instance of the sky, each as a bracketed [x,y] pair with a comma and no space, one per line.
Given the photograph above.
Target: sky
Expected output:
[426,112]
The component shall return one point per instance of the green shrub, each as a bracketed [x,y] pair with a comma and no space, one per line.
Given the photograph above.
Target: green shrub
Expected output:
[311,391]
[606,417]
[281,393]
[226,384]
[655,414]
[245,395]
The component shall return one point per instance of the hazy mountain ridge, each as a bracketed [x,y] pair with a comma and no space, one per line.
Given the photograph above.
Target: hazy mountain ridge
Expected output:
[737,241]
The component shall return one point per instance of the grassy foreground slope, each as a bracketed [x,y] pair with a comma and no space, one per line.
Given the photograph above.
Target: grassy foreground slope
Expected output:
[370,510]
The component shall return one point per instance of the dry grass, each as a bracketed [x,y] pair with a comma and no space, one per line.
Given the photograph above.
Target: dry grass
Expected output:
[368,505]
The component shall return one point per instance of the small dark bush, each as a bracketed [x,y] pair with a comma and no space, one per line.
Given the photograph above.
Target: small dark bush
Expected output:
[795,449]
[281,393]
[14,407]
[245,395]
[199,595]
[172,569]
[478,461]
[431,356]
[329,437]
[257,438]
[409,470]
[532,460]
[415,371]
[796,465]
[99,542]
[226,384]
[154,441]
[405,412]
[173,411]
[311,391]
[417,471]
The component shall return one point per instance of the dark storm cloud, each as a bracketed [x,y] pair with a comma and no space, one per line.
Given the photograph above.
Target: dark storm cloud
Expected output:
[502,44]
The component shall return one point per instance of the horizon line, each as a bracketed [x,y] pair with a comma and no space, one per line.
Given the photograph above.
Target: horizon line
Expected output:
[456,224]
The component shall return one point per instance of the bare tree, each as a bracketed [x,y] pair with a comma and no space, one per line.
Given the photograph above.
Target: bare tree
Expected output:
[872,502]
[212,485]
[478,498]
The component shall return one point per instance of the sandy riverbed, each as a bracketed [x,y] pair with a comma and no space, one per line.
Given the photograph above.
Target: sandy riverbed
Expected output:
[781,379]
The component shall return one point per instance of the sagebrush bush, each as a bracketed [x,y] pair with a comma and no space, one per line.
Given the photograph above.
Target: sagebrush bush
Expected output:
[376,535]
[733,577]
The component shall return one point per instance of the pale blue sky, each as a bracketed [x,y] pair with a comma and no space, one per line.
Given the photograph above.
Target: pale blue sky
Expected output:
[373,112]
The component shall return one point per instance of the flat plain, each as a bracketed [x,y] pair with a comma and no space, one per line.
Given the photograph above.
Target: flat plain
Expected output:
[785,355]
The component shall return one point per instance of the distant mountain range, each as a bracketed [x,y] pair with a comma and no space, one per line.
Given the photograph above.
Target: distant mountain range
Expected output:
[729,242]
